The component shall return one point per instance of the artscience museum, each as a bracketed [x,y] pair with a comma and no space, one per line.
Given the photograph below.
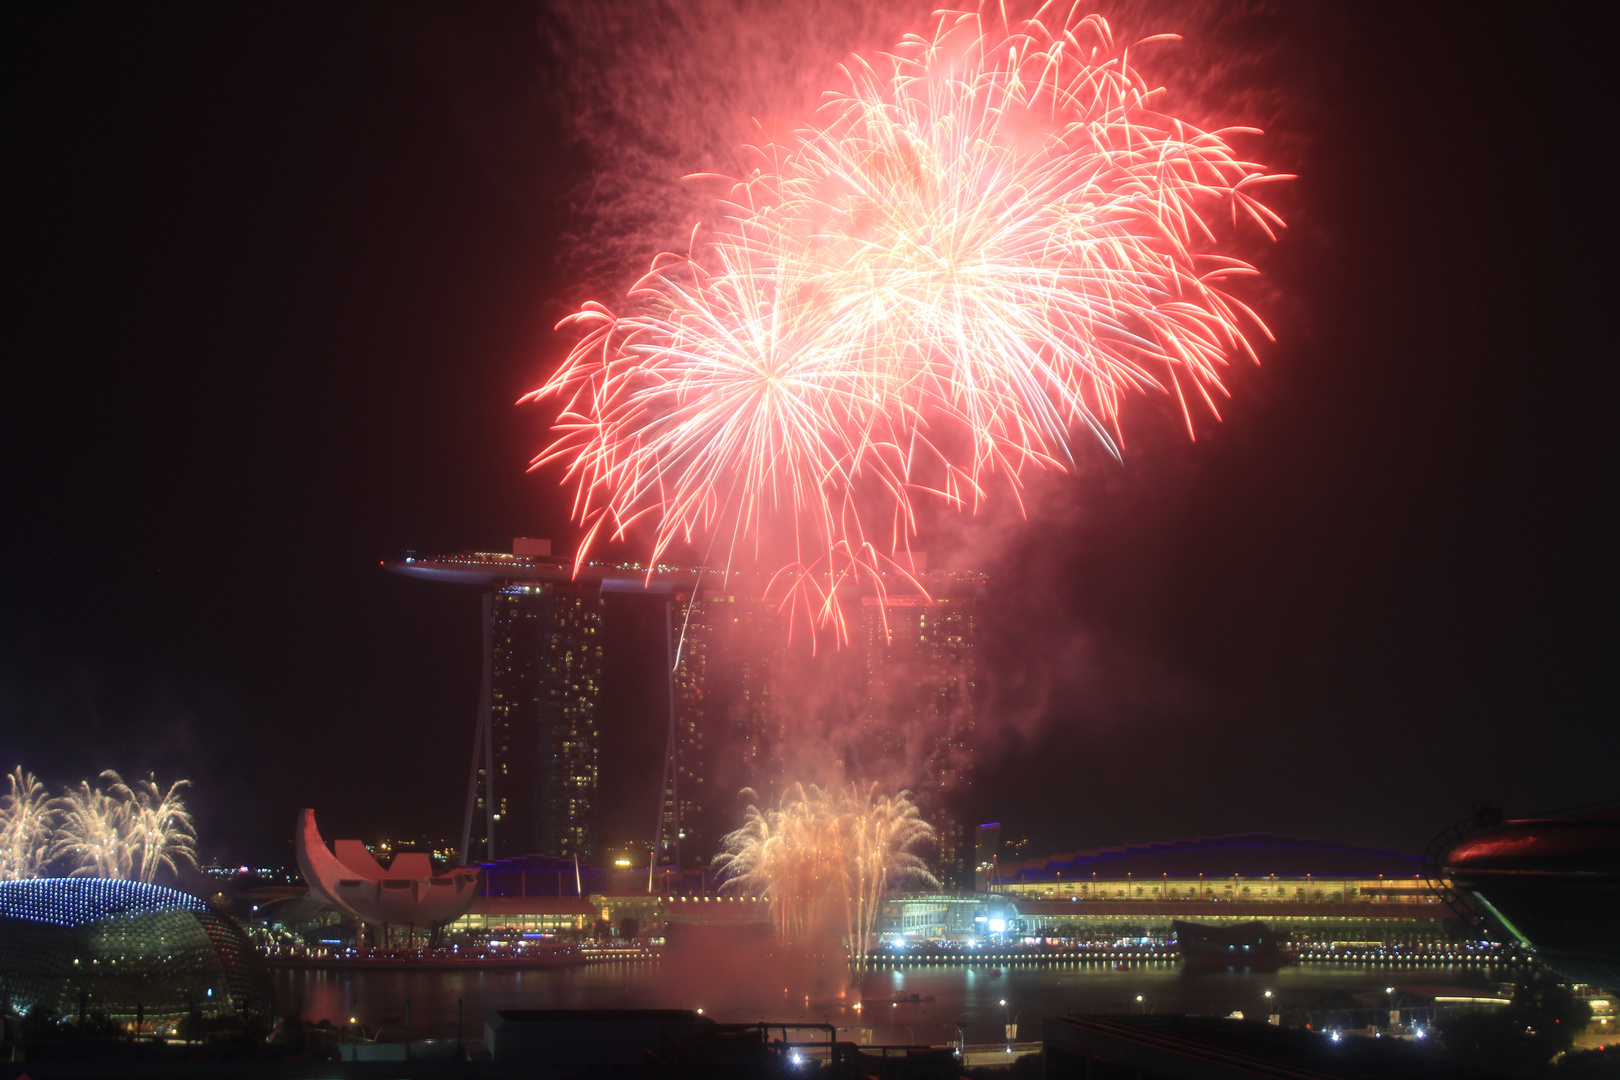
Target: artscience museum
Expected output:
[406,894]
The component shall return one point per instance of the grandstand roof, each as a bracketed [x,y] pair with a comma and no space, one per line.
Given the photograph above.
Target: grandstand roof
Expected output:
[1246,855]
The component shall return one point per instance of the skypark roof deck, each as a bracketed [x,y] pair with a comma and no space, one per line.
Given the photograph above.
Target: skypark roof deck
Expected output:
[493,568]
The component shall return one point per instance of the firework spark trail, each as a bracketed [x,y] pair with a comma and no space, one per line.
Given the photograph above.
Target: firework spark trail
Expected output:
[157,827]
[882,830]
[123,831]
[824,856]
[27,823]
[991,239]
[92,835]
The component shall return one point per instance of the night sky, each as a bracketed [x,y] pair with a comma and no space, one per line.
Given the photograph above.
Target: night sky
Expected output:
[275,275]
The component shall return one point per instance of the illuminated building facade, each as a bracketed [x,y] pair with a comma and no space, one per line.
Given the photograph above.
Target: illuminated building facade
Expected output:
[986,849]
[1307,889]
[545,689]
[1316,894]
[533,782]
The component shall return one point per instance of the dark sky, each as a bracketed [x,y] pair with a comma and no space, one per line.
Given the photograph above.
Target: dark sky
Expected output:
[273,285]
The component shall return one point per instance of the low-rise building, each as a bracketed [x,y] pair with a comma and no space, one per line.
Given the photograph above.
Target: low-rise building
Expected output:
[534,915]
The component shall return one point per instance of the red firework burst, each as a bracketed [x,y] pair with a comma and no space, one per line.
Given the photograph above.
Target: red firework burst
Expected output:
[987,241]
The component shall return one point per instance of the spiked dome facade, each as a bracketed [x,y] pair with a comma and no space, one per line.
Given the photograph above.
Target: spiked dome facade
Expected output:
[407,893]
[123,949]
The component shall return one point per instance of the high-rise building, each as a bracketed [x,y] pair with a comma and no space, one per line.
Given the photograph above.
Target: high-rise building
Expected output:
[895,704]
[730,669]
[986,863]
[747,708]
[533,782]
[546,684]
[923,693]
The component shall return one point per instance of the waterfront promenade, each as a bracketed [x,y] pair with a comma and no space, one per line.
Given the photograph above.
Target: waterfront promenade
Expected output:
[479,959]
[529,955]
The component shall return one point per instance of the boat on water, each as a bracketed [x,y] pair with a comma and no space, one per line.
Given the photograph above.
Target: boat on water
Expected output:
[1252,945]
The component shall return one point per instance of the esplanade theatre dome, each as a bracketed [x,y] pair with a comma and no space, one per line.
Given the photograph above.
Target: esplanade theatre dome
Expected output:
[120,948]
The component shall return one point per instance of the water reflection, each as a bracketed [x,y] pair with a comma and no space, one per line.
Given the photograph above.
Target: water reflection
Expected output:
[910,1005]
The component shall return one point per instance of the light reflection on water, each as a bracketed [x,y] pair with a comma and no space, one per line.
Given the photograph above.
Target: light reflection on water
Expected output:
[965,995]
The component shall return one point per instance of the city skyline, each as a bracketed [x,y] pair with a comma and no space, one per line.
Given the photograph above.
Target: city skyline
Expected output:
[750,711]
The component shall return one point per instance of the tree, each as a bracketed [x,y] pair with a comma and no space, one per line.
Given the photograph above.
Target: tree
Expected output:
[1542,1020]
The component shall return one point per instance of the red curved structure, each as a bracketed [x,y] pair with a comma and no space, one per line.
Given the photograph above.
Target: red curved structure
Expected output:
[407,893]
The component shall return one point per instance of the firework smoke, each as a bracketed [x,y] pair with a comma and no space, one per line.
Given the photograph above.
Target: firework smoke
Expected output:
[990,240]
[825,860]
[644,103]
[128,831]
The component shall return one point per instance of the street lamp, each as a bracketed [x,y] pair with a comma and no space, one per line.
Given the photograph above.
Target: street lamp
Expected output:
[1139,1002]
[1011,1029]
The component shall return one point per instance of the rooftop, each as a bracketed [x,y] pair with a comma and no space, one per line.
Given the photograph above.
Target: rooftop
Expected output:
[485,568]
[1245,855]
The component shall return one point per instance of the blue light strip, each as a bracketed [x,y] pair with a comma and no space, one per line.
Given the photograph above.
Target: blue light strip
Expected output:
[83,900]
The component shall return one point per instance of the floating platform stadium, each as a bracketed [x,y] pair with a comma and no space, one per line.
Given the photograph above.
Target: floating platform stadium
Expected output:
[1307,890]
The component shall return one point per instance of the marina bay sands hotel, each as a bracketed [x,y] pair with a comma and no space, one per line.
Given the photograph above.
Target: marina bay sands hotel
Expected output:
[746,709]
